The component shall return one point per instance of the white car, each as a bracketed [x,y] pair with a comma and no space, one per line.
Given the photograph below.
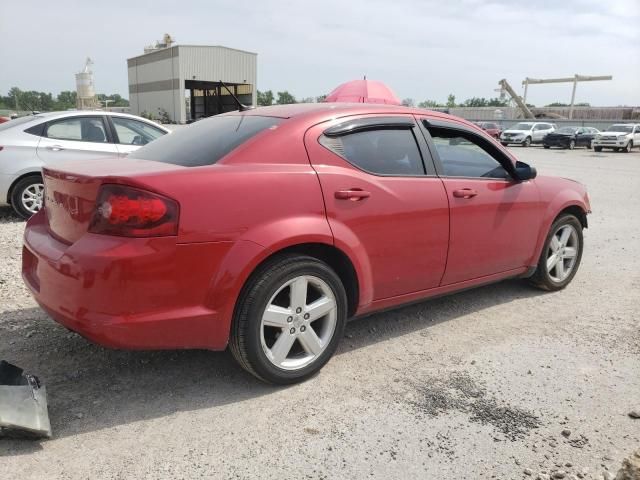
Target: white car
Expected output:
[29,143]
[621,136]
[526,133]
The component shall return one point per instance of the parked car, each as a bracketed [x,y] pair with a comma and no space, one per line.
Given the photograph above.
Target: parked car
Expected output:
[526,133]
[621,136]
[570,137]
[4,119]
[29,143]
[265,230]
[492,128]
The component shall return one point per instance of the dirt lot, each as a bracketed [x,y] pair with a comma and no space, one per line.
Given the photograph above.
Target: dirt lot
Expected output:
[499,382]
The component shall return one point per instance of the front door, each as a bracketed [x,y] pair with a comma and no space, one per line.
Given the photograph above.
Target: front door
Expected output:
[494,219]
[75,138]
[381,201]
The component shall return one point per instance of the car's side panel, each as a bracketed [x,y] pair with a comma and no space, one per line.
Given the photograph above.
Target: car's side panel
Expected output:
[403,225]
[556,196]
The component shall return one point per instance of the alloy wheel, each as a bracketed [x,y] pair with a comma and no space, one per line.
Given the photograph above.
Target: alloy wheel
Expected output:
[298,322]
[562,253]
[32,197]
[572,144]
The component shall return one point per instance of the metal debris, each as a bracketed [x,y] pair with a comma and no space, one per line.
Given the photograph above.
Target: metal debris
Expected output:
[23,404]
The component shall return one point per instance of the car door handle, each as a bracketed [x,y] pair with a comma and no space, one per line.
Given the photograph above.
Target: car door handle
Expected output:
[465,193]
[354,194]
[55,148]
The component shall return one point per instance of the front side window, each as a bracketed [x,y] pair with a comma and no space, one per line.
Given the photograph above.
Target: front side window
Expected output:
[134,132]
[379,151]
[463,154]
[82,129]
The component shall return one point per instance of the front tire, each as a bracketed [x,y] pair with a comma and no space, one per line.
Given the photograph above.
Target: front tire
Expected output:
[547,147]
[289,319]
[504,144]
[628,148]
[527,142]
[597,149]
[561,254]
[572,144]
[27,196]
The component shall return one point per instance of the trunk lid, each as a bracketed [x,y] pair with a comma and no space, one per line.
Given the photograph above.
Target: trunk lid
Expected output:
[71,190]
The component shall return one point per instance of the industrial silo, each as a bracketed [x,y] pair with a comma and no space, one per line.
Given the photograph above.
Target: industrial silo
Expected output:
[85,87]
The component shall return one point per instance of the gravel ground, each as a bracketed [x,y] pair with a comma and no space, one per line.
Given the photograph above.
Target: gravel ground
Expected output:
[499,382]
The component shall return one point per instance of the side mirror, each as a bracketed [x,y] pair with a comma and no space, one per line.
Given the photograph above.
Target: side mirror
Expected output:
[525,172]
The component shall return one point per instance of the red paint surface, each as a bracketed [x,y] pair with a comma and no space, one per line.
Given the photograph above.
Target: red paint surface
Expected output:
[409,239]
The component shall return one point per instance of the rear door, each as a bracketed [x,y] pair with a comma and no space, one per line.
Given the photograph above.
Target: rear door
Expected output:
[76,138]
[382,201]
[494,219]
[130,134]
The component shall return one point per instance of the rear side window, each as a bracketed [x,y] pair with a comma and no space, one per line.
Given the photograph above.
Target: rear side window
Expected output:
[207,141]
[134,132]
[381,151]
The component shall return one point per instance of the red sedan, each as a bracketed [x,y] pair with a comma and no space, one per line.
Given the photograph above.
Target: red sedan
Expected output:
[266,230]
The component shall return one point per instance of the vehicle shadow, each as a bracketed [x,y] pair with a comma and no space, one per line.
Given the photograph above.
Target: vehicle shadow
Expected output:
[91,388]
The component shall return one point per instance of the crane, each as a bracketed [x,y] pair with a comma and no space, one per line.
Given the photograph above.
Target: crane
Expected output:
[516,98]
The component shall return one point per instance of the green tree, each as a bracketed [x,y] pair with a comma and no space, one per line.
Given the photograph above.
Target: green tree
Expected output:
[429,104]
[496,102]
[14,98]
[321,98]
[557,104]
[451,100]
[285,98]
[65,100]
[265,98]
[475,102]
[307,100]
[408,102]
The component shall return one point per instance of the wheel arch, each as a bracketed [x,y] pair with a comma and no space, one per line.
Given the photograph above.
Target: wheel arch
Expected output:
[34,173]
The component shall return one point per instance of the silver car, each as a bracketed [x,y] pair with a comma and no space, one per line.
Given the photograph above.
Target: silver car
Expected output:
[29,143]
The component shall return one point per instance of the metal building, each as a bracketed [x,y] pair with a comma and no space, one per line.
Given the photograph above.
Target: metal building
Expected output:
[184,81]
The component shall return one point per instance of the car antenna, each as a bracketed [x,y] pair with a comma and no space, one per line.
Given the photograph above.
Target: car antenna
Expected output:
[241,106]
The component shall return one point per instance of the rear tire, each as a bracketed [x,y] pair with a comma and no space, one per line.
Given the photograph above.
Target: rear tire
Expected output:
[27,195]
[272,336]
[616,149]
[597,149]
[547,147]
[560,256]
[504,144]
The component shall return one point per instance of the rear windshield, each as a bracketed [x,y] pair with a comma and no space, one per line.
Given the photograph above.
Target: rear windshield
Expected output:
[18,121]
[206,141]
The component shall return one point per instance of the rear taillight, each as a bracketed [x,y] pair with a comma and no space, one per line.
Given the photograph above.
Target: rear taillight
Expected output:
[131,212]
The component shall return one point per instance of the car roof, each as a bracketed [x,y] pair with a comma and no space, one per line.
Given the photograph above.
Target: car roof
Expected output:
[319,112]
[83,113]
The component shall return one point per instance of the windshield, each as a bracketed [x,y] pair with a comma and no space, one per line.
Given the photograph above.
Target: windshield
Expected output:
[205,142]
[620,128]
[521,126]
[18,121]
[568,130]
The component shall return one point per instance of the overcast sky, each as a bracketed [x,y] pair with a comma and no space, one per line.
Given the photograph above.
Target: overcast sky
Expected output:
[423,49]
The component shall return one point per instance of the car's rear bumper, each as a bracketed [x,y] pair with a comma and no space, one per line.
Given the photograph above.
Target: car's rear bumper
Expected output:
[126,292]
